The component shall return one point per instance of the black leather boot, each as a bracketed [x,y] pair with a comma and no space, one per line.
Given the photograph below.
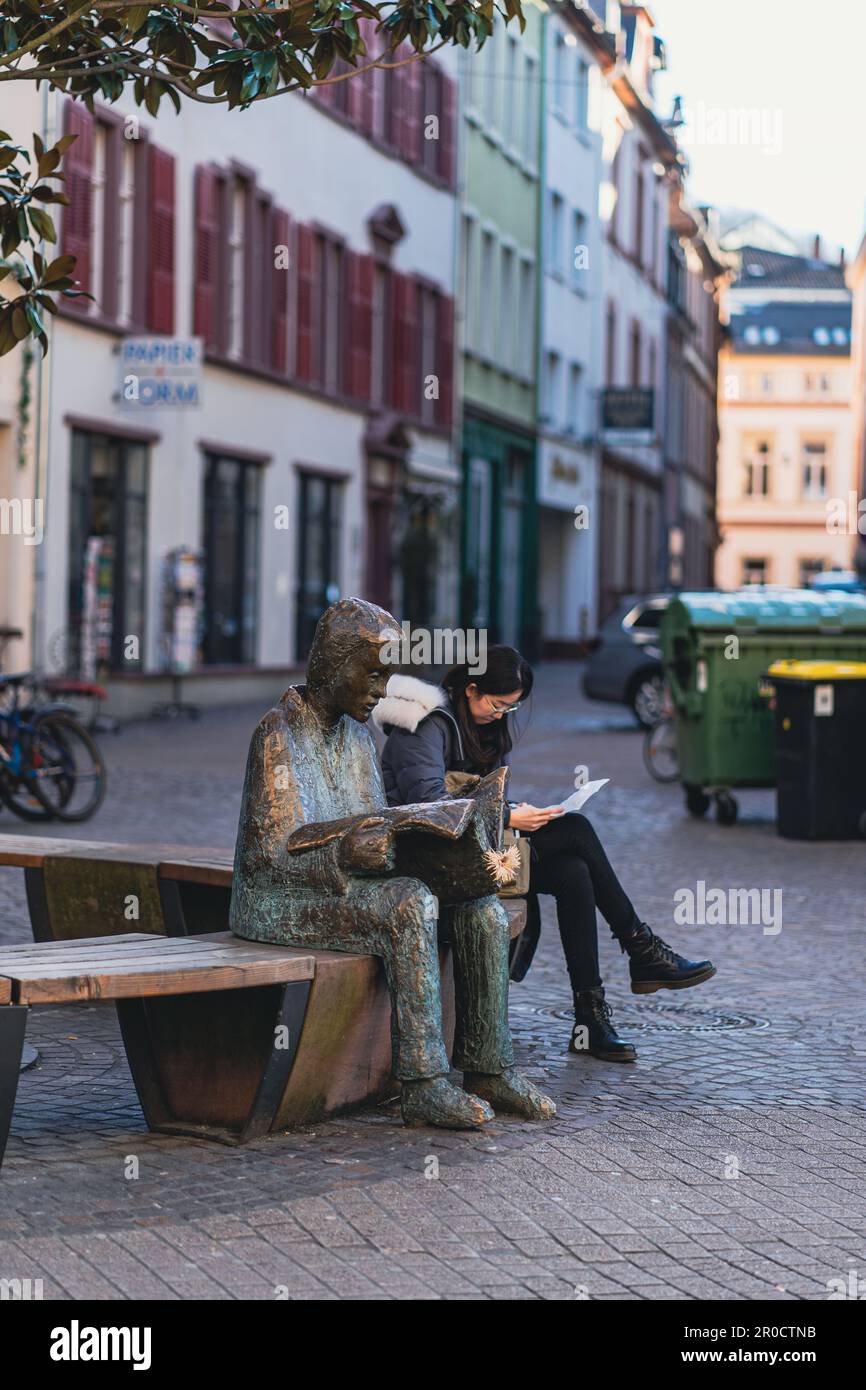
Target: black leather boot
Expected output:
[654,965]
[593,1034]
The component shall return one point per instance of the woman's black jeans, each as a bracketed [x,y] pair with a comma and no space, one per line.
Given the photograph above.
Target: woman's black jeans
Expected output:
[569,863]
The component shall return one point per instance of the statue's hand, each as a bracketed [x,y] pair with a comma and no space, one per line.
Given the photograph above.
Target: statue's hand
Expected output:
[369,847]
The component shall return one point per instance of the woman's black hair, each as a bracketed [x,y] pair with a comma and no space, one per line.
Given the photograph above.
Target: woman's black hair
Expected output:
[506,672]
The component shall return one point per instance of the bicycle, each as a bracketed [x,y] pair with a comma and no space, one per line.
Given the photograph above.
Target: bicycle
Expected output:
[660,745]
[50,766]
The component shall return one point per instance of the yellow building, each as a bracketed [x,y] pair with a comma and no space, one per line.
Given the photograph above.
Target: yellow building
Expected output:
[787,464]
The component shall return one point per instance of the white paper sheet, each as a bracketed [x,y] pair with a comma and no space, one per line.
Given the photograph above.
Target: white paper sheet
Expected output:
[580,797]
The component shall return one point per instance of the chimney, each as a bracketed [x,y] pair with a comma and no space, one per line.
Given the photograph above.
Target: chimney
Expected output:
[842,261]
[816,249]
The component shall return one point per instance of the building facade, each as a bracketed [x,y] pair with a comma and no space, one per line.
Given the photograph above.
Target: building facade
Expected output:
[318,458]
[578,52]
[696,273]
[856,280]
[640,161]
[786,457]
[499,259]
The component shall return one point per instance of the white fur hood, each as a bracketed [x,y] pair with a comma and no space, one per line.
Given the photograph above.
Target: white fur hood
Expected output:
[407,701]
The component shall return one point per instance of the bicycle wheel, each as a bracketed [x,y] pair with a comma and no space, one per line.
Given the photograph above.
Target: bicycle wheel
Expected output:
[70,773]
[660,751]
[22,797]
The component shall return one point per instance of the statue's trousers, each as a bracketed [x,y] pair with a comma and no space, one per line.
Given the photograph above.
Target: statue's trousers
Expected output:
[397,920]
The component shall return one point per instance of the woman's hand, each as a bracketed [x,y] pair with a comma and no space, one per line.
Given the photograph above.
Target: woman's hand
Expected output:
[526,817]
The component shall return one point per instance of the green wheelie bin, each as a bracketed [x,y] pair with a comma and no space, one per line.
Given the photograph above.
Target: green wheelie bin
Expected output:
[717,649]
[820,749]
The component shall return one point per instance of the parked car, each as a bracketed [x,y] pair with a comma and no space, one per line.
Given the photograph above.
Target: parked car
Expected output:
[626,663]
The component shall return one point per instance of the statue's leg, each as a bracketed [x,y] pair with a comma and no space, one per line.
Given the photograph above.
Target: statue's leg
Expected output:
[479,935]
[395,919]
[482,1043]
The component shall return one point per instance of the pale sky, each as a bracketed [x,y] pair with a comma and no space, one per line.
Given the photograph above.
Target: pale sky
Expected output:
[800,66]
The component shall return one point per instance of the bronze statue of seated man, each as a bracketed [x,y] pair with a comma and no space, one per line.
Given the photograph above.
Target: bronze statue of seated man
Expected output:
[317,865]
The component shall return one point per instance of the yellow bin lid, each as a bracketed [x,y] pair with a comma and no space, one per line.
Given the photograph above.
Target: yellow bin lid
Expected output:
[820,670]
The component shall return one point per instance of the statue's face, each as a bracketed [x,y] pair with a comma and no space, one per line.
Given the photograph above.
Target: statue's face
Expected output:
[360,685]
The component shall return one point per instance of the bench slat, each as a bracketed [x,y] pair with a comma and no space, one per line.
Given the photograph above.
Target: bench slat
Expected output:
[151,966]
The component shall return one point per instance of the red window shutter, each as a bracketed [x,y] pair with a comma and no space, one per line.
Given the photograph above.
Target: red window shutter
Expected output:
[206,255]
[360,275]
[160,277]
[366,83]
[445,359]
[78,216]
[306,356]
[279,344]
[409,132]
[405,385]
[447,129]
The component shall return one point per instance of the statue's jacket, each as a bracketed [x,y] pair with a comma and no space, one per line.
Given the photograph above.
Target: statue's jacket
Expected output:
[299,773]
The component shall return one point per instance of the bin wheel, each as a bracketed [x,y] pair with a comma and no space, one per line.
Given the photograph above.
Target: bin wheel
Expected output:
[726,808]
[697,801]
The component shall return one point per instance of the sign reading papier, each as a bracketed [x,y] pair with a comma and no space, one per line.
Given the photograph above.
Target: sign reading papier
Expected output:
[161,373]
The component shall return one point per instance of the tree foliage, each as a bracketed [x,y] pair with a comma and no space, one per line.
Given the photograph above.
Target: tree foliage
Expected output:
[213,52]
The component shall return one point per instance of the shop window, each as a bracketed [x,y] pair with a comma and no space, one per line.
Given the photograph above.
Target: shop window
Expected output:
[231,549]
[107,554]
[320,531]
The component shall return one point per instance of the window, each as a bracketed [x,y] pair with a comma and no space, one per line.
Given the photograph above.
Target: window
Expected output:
[755,571]
[487,306]
[610,345]
[235,265]
[652,383]
[814,471]
[506,309]
[552,388]
[639,209]
[560,70]
[530,102]
[331,261]
[510,91]
[579,251]
[231,549]
[320,539]
[756,470]
[429,302]
[582,95]
[380,346]
[107,552]
[491,78]
[635,354]
[470,283]
[554,236]
[526,320]
[808,570]
[574,412]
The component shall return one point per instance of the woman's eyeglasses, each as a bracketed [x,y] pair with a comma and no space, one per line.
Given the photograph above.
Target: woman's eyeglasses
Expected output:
[504,709]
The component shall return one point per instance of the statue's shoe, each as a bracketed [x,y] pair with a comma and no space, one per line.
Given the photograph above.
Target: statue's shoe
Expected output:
[511,1091]
[434,1101]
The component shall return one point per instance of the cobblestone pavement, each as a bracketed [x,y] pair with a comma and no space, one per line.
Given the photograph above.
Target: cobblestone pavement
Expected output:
[726,1164]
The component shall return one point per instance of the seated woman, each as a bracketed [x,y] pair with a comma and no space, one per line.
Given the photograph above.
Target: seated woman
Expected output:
[462,726]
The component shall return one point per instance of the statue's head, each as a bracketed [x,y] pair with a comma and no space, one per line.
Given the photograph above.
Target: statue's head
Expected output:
[346,673]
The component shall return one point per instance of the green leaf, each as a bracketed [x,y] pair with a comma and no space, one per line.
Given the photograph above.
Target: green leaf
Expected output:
[63,266]
[19,323]
[43,224]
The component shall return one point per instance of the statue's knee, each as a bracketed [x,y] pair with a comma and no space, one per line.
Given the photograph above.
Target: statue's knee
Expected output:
[415,908]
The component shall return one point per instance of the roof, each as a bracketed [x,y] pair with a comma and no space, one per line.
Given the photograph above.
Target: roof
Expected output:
[817,328]
[763,269]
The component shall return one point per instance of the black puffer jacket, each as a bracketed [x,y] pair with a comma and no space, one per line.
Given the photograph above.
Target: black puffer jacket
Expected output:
[423,741]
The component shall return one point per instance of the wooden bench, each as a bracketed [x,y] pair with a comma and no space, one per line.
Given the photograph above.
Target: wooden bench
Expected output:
[197,1008]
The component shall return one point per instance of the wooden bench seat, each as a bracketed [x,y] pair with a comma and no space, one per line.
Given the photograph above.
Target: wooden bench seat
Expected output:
[199,1009]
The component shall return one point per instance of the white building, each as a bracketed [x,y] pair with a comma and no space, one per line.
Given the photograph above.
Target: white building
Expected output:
[576,56]
[309,243]
[640,159]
